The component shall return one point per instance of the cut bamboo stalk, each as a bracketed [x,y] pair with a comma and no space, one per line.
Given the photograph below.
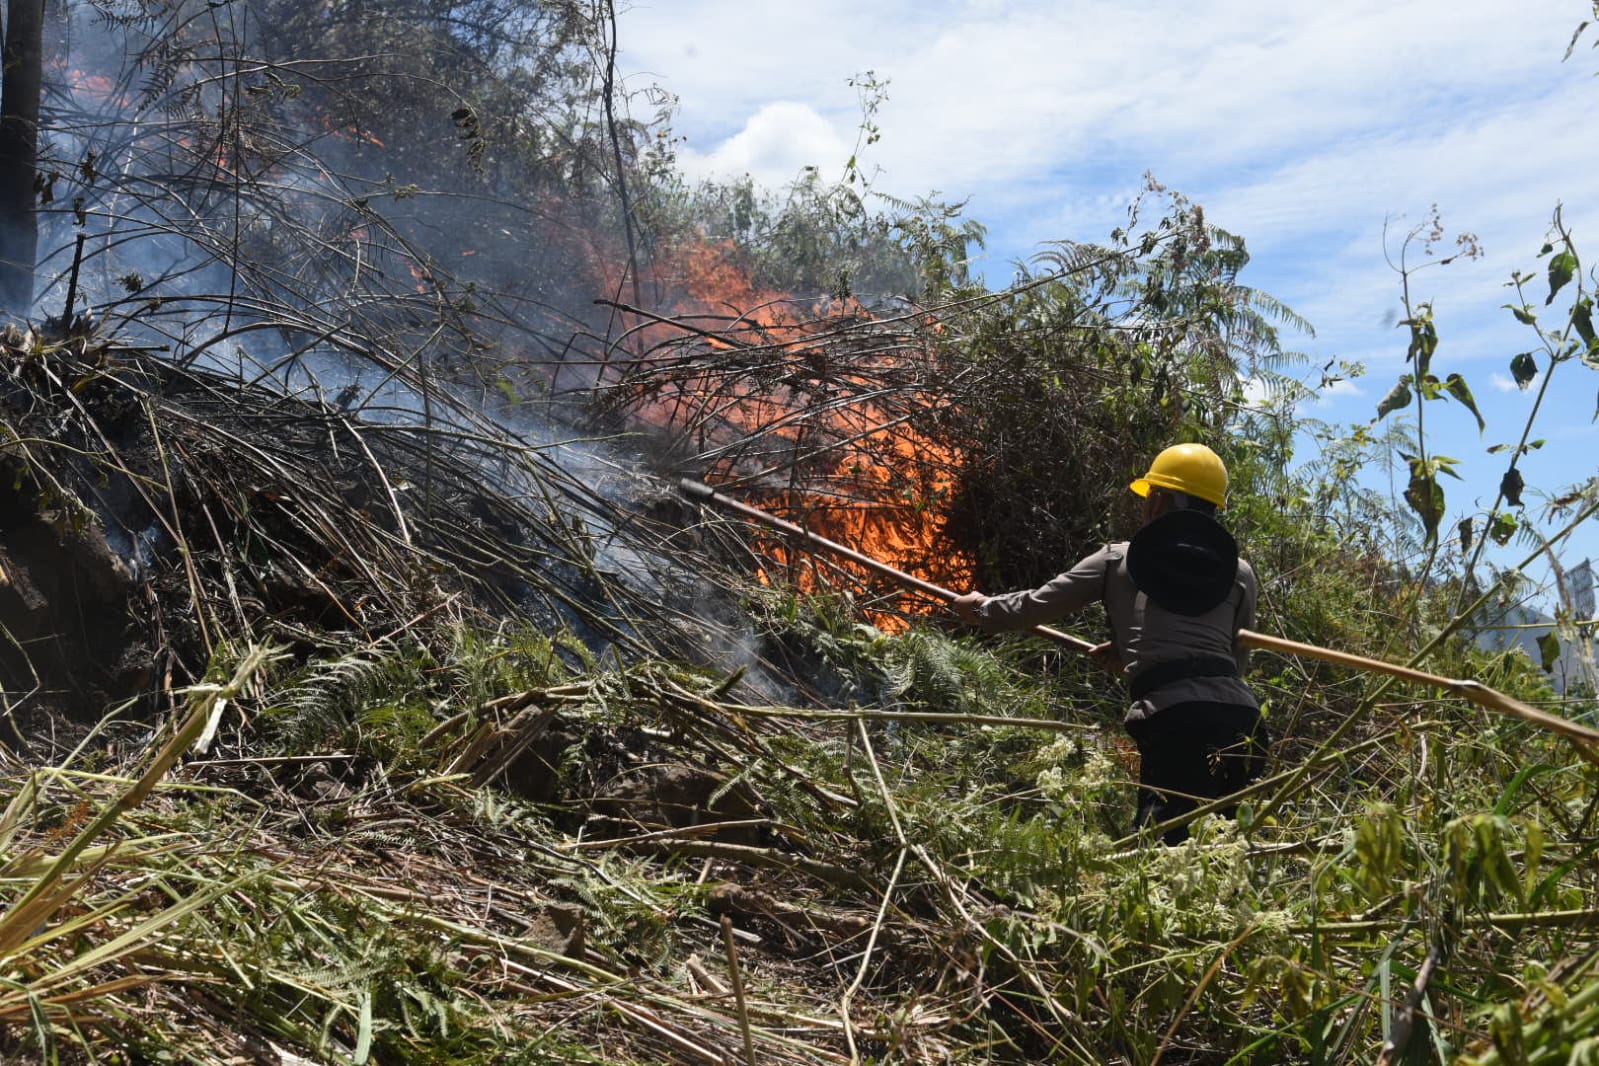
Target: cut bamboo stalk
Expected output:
[738,990]
[1477,693]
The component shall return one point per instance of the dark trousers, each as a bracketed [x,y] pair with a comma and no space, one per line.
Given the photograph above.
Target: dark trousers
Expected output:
[1192,753]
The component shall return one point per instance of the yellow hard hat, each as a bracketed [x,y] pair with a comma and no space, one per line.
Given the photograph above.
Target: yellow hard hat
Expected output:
[1190,468]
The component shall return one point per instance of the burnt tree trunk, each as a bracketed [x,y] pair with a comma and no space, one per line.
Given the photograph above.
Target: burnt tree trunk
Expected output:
[19,152]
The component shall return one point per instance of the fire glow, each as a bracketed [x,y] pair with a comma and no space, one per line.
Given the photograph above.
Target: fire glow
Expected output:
[96,87]
[777,399]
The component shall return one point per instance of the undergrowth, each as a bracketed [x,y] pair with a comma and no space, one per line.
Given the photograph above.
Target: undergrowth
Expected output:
[337,877]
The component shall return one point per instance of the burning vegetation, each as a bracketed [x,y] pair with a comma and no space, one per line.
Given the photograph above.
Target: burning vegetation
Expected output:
[823,411]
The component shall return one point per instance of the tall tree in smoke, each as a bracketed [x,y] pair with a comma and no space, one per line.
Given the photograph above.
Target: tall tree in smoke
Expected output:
[19,150]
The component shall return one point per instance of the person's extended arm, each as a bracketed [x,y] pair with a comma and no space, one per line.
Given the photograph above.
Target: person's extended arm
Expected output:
[1062,595]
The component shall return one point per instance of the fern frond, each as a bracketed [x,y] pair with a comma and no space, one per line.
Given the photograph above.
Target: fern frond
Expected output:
[1279,312]
[328,698]
[1067,258]
[937,672]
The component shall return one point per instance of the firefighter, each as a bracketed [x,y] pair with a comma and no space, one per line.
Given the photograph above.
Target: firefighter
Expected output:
[1176,596]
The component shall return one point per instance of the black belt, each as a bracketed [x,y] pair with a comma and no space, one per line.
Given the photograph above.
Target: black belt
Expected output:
[1157,675]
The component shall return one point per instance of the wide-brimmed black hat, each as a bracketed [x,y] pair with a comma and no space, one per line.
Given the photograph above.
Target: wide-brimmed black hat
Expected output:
[1184,561]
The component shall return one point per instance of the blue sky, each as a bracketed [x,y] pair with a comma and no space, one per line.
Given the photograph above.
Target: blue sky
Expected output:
[1305,128]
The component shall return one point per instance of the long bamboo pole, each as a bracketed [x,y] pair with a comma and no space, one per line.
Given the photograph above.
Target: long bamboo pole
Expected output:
[696,490]
[1477,693]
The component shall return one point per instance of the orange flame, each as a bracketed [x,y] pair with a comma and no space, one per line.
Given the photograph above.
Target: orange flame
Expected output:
[870,479]
[351,131]
[98,87]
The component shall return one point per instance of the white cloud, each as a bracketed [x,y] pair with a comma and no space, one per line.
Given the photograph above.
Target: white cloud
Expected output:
[775,144]
[1505,383]
[985,93]
[1340,390]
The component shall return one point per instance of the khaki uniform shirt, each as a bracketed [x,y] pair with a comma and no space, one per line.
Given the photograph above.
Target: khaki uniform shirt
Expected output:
[1143,632]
